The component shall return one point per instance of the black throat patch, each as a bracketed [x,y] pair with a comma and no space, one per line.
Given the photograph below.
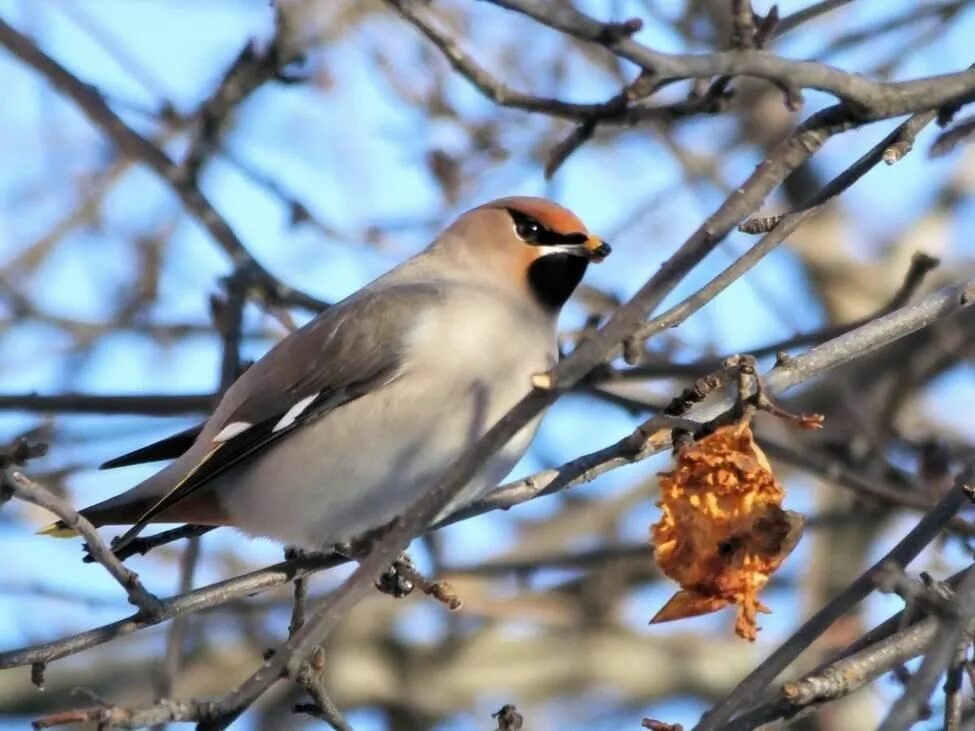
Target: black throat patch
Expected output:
[554,277]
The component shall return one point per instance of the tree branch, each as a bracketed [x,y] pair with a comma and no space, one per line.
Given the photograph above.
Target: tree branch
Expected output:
[131,143]
[943,648]
[902,554]
[150,608]
[148,404]
[877,99]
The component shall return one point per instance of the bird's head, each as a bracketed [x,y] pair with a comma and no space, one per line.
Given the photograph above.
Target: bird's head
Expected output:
[529,242]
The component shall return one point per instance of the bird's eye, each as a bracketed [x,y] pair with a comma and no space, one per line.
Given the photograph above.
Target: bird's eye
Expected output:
[527,229]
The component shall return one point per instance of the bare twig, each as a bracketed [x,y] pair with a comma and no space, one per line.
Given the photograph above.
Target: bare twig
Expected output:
[89,403]
[196,600]
[143,544]
[150,608]
[311,677]
[902,554]
[882,649]
[921,264]
[843,677]
[951,138]
[943,648]
[790,22]
[882,99]
[165,711]
[900,139]
[135,145]
[252,67]
[905,136]
[20,452]
[177,630]
[953,690]
[423,18]
[909,494]
[229,319]
[742,24]
[300,596]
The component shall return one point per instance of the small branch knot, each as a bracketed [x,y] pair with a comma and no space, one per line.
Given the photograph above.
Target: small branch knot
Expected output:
[615,32]
[508,718]
[21,451]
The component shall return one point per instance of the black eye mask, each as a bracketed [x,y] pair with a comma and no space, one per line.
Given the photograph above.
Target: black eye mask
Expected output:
[532,232]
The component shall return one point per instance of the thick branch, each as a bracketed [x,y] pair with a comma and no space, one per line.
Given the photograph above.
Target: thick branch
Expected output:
[881,99]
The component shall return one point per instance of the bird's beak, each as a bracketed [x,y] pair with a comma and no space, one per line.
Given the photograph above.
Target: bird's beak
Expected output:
[595,249]
[588,247]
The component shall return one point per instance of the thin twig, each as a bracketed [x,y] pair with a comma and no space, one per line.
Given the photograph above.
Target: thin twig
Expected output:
[944,645]
[785,225]
[900,139]
[177,630]
[902,492]
[229,319]
[252,68]
[422,16]
[150,608]
[882,649]
[951,138]
[149,404]
[841,678]
[953,690]
[143,544]
[742,24]
[135,145]
[791,22]
[165,711]
[878,99]
[902,554]
[311,677]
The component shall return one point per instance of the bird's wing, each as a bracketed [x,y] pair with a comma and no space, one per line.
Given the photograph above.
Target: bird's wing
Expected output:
[169,448]
[349,350]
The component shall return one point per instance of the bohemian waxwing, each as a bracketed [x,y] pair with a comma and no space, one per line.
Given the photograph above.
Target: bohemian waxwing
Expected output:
[345,422]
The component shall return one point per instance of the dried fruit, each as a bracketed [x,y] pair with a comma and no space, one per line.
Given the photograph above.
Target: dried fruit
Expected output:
[723,531]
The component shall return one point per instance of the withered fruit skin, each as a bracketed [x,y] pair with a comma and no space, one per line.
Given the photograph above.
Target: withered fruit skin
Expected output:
[723,531]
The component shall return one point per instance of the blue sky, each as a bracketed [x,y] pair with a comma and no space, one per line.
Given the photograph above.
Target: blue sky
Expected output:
[353,153]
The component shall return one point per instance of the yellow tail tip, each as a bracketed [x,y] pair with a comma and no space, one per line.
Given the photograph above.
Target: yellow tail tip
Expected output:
[56,530]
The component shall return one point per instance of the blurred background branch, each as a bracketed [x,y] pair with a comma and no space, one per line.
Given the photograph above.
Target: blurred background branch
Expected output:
[187,182]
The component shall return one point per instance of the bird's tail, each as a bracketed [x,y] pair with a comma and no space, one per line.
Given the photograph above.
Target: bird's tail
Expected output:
[110,512]
[57,529]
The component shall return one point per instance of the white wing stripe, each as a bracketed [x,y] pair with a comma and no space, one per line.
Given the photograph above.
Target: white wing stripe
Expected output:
[231,430]
[294,412]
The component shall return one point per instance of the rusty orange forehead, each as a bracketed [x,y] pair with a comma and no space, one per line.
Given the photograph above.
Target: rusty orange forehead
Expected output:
[551,215]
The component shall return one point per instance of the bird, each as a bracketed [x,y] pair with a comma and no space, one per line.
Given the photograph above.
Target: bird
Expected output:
[345,422]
